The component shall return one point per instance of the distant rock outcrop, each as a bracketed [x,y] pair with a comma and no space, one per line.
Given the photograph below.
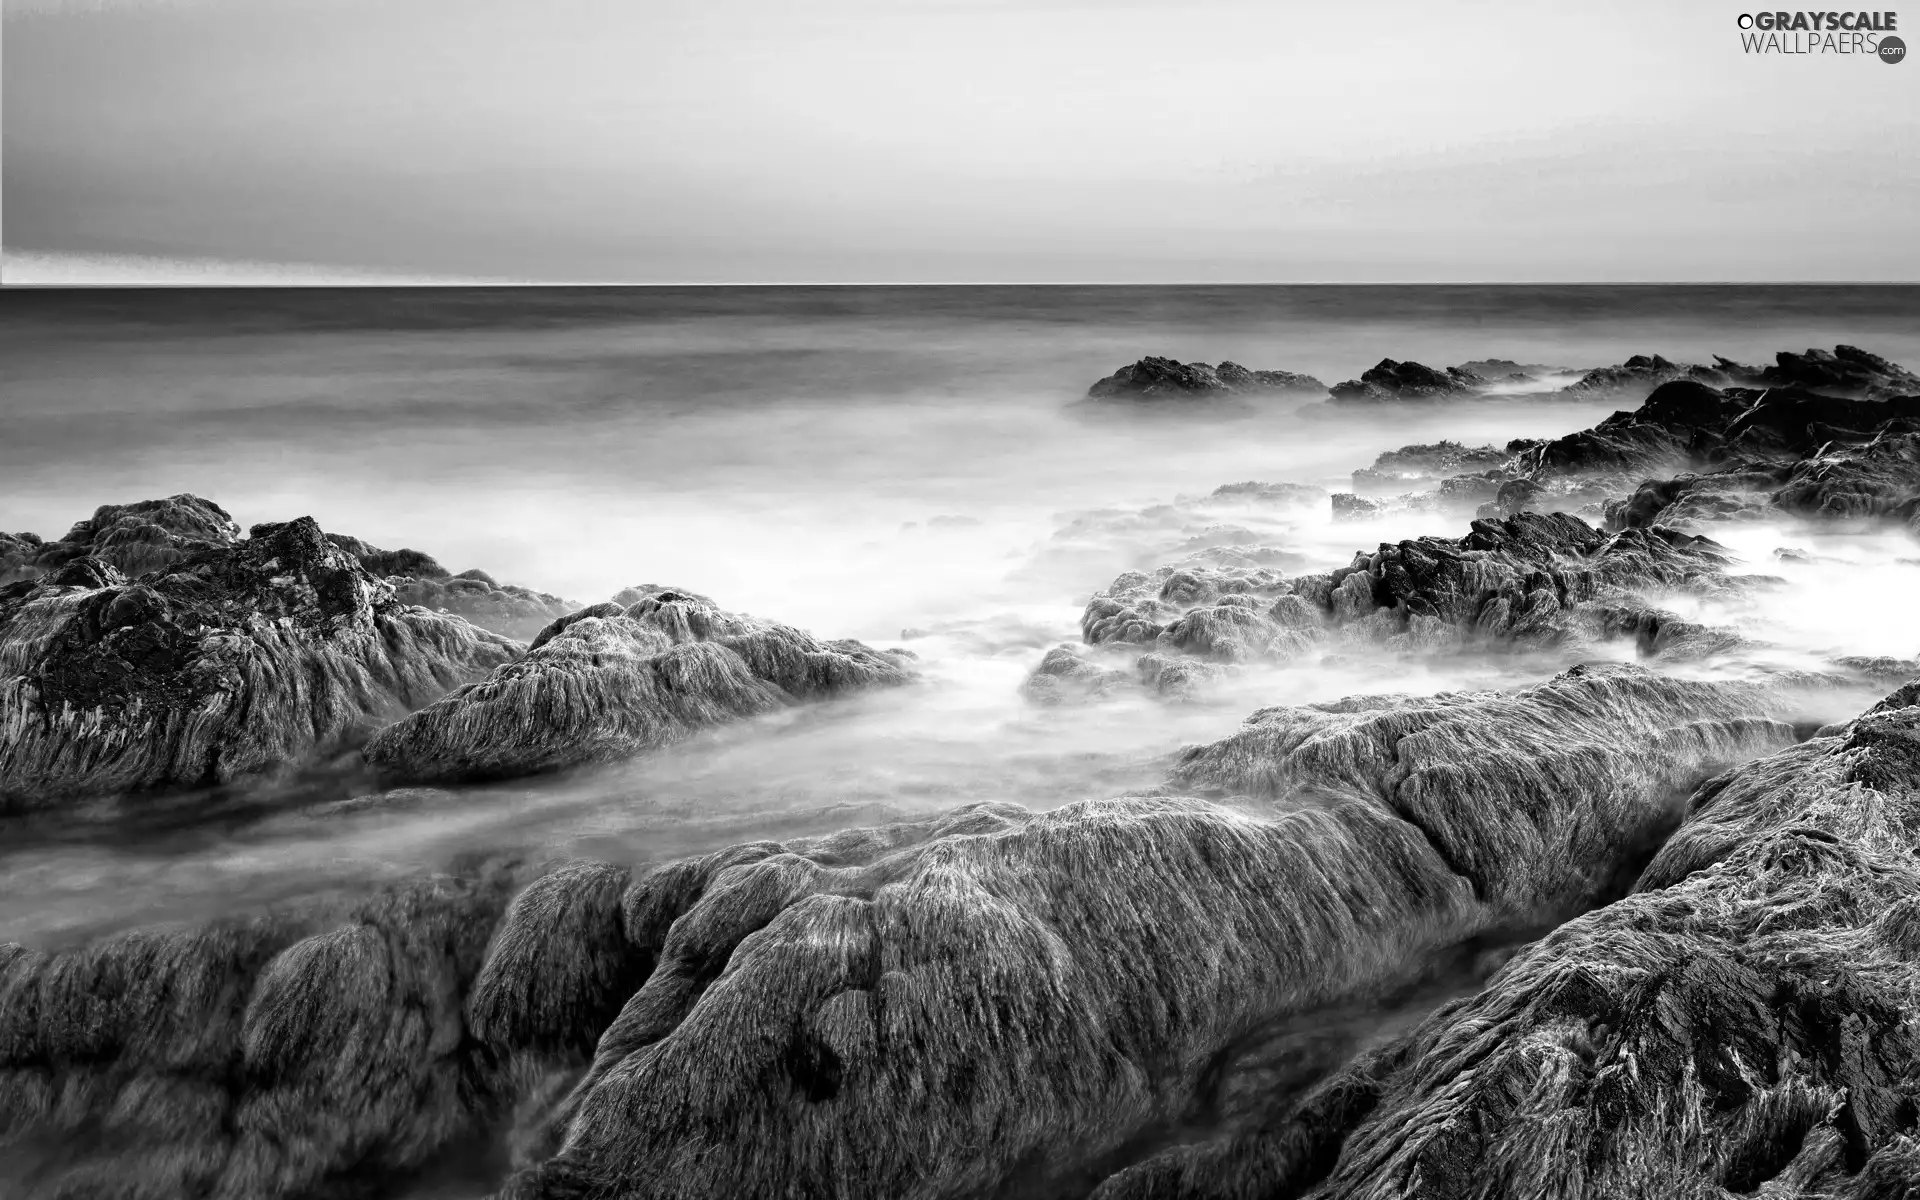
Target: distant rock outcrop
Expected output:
[1388,380]
[238,658]
[611,681]
[1154,378]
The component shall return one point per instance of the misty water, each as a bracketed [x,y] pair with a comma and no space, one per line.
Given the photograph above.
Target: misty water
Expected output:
[910,467]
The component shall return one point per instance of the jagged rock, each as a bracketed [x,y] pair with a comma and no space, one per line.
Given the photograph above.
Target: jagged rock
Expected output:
[609,682]
[1393,472]
[243,659]
[966,1013]
[1877,479]
[1154,378]
[1741,1023]
[1218,612]
[1642,373]
[134,538]
[1388,380]
[1516,581]
[1843,371]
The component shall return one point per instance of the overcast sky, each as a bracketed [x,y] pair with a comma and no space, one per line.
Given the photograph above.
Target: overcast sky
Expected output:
[944,140]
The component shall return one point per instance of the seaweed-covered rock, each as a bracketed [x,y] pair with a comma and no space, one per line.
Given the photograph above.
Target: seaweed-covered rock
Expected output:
[951,1014]
[242,659]
[253,1058]
[1742,1023]
[609,682]
[1389,380]
[1154,378]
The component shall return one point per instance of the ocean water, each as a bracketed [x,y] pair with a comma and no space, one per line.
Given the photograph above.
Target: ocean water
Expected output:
[856,461]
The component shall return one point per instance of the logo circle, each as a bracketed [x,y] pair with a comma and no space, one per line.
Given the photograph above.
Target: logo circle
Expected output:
[1745,21]
[1892,50]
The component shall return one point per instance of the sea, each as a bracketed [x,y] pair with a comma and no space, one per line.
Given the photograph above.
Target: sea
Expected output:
[910,466]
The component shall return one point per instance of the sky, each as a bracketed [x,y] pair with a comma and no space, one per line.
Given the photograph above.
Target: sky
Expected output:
[727,141]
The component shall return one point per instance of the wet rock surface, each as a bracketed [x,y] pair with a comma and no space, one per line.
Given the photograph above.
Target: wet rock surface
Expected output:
[971,971]
[1741,1023]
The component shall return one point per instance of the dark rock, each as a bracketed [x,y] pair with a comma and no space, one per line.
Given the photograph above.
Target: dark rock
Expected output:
[1155,378]
[250,657]
[136,538]
[610,682]
[1388,380]
[1843,371]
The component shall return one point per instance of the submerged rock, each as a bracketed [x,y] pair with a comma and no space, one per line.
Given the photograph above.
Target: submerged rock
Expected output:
[250,657]
[609,682]
[1154,378]
[1396,470]
[1743,1022]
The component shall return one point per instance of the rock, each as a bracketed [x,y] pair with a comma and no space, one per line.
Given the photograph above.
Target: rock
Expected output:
[1283,495]
[417,578]
[1155,378]
[610,682]
[1642,373]
[1843,371]
[1143,608]
[262,1057]
[1065,675]
[133,538]
[244,659]
[1397,470]
[879,1015]
[1388,380]
[1741,1023]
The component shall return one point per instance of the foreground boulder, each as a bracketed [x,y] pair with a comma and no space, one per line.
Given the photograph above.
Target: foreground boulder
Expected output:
[1743,1022]
[937,1007]
[245,659]
[1154,378]
[610,682]
[1016,1005]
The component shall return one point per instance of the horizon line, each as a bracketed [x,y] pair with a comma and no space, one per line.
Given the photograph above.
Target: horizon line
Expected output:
[472,285]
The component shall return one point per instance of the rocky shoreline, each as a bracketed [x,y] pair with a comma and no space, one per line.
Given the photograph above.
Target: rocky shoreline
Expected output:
[1627,930]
